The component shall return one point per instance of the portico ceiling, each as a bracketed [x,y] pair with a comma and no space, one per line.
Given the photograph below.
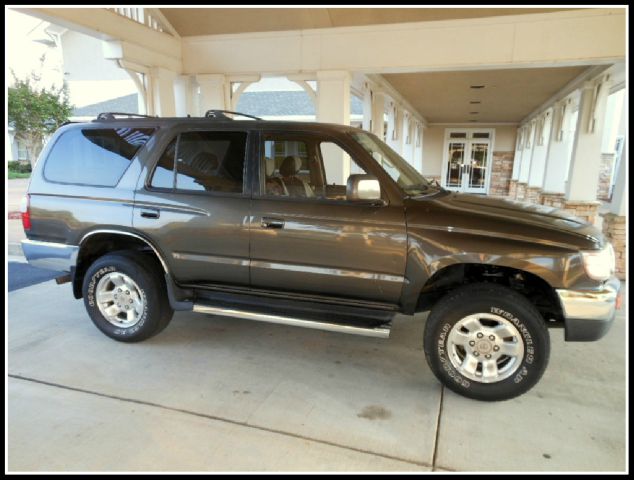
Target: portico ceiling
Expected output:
[504,96]
[216,21]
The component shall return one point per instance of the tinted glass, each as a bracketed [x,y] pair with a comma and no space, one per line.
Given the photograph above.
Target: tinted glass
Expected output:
[163,176]
[211,161]
[94,156]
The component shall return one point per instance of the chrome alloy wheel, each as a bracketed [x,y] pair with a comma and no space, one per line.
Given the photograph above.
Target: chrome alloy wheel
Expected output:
[485,348]
[120,299]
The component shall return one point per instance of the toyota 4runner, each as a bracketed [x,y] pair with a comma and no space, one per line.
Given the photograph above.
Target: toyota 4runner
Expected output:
[315,225]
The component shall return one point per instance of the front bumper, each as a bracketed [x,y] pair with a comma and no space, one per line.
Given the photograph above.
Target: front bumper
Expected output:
[589,314]
[49,255]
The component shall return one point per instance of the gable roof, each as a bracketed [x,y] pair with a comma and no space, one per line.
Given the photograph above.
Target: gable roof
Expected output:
[127,103]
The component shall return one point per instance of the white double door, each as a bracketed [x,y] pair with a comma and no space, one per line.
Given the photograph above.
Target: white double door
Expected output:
[467,164]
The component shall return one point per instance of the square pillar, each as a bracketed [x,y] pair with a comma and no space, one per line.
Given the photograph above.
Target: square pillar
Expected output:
[333,106]
[556,158]
[183,96]
[162,86]
[214,93]
[395,128]
[378,111]
[585,164]
[333,97]
[538,159]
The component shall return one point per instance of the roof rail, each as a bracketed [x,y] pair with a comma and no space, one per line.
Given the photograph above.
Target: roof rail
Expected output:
[220,114]
[112,115]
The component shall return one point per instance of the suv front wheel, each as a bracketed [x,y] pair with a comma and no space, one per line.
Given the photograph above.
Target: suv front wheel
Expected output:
[487,342]
[125,296]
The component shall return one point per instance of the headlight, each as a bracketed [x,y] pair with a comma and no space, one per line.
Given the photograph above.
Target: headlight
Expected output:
[599,264]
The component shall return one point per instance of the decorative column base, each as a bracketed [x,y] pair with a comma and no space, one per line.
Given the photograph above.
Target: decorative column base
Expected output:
[587,211]
[533,195]
[555,200]
[614,231]
[512,189]
[520,193]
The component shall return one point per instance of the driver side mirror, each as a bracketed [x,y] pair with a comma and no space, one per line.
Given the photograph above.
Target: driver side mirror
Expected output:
[364,188]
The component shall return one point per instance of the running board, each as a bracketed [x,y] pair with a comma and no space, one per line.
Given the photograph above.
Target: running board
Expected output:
[382,331]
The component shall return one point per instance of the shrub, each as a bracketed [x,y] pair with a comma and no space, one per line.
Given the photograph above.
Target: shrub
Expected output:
[19,167]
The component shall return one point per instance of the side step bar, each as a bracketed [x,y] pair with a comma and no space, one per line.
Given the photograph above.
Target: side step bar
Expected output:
[382,331]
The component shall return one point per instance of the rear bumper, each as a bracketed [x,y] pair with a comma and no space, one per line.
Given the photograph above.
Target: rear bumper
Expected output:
[589,314]
[49,255]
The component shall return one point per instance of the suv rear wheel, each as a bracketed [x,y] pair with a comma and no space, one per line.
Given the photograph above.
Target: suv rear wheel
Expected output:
[125,296]
[486,342]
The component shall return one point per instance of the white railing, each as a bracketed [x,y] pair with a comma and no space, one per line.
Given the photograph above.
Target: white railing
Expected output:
[145,17]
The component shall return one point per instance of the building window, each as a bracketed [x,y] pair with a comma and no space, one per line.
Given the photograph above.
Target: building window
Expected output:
[23,153]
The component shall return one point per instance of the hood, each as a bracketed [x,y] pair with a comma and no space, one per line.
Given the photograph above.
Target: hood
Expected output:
[489,215]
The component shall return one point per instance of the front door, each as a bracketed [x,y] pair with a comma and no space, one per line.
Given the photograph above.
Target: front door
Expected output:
[307,238]
[468,161]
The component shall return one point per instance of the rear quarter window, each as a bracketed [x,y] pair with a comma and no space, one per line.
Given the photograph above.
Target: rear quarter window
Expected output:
[92,156]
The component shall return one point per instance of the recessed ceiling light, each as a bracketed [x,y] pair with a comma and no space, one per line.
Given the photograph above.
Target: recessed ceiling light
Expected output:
[477,86]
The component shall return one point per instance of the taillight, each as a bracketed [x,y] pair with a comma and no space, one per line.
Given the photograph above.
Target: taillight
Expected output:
[25,210]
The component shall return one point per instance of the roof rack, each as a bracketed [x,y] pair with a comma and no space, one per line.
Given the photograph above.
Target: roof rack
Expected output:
[112,115]
[220,114]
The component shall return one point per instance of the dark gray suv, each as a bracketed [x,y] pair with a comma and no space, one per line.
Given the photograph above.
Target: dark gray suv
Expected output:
[308,224]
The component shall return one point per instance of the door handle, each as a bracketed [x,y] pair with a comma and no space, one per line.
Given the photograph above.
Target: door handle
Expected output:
[150,213]
[268,222]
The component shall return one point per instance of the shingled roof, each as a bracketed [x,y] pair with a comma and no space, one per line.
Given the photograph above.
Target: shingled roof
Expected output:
[269,104]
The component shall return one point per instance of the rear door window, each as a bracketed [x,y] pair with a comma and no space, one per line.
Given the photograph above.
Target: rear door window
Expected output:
[96,157]
[205,162]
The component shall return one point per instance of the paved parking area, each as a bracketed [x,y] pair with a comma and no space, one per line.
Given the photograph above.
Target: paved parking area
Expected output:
[220,394]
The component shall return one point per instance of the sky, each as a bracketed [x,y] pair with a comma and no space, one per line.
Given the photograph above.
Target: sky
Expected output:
[23,54]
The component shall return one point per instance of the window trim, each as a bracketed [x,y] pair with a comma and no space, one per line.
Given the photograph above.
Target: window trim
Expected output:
[147,184]
[154,128]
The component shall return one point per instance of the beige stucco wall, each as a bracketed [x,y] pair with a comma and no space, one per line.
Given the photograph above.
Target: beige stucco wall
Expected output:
[434,137]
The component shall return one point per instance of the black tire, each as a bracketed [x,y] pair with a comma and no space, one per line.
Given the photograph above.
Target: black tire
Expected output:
[498,300]
[149,277]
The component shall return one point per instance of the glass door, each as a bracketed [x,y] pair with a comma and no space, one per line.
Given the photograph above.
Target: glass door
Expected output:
[467,167]
[455,165]
[474,179]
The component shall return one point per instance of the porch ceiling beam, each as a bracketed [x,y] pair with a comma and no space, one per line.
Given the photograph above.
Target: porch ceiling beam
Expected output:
[107,25]
[530,40]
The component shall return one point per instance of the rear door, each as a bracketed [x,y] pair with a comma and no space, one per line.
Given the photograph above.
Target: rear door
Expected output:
[307,238]
[194,204]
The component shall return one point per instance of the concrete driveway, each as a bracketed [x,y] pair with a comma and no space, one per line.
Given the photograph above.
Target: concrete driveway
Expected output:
[219,394]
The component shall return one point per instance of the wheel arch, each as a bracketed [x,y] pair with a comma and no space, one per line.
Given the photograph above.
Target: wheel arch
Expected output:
[96,243]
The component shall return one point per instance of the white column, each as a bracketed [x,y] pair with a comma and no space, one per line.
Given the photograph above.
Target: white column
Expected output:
[527,152]
[519,147]
[538,160]
[378,111]
[182,96]
[333,106]
[419,139]
[585,164]
[618,205]
[162,85]
[214,92]
[556,158]
[395,127]
[333,97]
[367,107]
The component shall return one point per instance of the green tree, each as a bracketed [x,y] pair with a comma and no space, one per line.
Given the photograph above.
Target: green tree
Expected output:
[36,112]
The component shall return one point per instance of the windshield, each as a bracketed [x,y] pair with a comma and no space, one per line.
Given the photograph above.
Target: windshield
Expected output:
[412,182]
